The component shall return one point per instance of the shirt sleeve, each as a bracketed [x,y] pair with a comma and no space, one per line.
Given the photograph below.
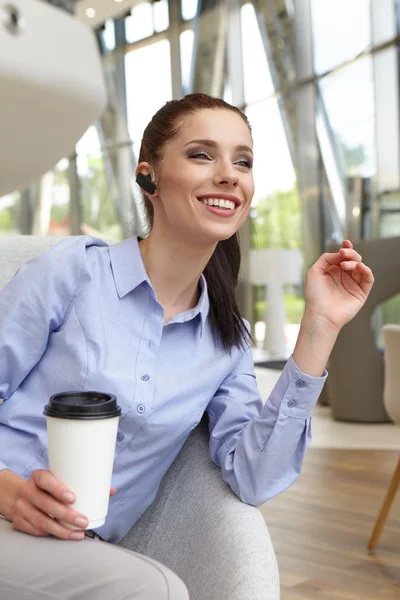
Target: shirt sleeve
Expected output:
[32,305]
[260,448]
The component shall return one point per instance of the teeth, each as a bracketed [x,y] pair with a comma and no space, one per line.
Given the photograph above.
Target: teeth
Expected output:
[219,202]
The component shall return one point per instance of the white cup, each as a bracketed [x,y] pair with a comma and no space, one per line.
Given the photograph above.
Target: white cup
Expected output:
[82,431]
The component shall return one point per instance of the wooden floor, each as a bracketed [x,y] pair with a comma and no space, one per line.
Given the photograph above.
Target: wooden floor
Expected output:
[320,528]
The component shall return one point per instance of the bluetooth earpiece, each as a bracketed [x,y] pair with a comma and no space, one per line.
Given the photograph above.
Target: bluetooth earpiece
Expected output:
[146,183]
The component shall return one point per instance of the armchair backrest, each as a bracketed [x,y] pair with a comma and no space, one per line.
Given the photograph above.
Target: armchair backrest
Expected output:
[355,383]
[391,393]
[16,250]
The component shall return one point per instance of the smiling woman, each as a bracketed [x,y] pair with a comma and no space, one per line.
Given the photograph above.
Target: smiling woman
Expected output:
[140,320]
[198,152]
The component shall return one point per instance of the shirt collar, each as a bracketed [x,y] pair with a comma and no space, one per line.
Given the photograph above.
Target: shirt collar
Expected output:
[129,272]
[127,266]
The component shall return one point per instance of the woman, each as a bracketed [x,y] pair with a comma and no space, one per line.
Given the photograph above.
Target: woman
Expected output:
[155,322]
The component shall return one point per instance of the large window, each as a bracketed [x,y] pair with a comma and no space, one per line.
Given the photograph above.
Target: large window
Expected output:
[276,208]
[189,9]
[9,214]
[257,78]
[348,96]
[146,18]
[341,30]
[143,100]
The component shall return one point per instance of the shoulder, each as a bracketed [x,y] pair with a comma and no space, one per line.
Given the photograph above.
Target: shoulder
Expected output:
[70,251]
[64,261]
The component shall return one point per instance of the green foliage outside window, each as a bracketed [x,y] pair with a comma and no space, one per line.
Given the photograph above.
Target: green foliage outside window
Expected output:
[276,223]
[98,206]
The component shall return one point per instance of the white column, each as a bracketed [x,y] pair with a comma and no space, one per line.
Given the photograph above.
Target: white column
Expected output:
[274,341]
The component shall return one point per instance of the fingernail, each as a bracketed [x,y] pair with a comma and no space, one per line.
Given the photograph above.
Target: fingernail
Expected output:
[81,522]
[68,496]
[77,536]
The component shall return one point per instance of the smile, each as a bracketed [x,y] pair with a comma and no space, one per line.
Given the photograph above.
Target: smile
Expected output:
[227,204]
[219,206]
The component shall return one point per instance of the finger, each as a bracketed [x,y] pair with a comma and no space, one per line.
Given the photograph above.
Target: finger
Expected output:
[42,522]
[368,278]
[329,259]
[22,524]
[350,254]
[47,481]
[113,491]
[335,258]
[349,265]
[49,505]
[50,526]
[347,244]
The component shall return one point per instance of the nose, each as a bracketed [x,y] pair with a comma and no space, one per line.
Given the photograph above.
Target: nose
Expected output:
[225,174]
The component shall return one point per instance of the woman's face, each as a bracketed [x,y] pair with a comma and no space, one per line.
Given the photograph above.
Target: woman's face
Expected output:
[208,161]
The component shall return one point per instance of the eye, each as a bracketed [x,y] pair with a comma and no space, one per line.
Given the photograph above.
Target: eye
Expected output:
[201,155]
[245,163]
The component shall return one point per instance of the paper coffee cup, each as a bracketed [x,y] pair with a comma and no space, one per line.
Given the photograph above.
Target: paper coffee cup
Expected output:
[82,432]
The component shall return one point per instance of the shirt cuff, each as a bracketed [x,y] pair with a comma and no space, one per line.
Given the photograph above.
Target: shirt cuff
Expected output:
[302,391]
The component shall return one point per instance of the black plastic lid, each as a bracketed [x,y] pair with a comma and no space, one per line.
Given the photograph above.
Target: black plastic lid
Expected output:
[82,405]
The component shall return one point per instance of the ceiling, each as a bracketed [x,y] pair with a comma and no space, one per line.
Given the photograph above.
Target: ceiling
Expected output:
[103,9]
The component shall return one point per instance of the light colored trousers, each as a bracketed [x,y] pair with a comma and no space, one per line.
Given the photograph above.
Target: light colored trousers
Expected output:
[44,568]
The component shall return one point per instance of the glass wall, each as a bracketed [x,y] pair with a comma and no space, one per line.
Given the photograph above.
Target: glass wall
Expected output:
[341,30]
[354,47]
[348,96]
[276,209]
[144,100]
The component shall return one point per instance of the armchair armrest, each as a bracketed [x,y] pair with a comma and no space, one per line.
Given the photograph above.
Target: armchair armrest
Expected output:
[200,529]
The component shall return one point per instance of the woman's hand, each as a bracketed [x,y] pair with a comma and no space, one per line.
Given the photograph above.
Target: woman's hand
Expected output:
[337,286]
[41,498]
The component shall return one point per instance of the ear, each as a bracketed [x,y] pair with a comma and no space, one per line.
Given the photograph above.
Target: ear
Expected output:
[145,178]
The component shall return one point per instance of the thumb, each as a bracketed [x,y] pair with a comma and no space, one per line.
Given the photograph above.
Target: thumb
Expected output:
[113,491]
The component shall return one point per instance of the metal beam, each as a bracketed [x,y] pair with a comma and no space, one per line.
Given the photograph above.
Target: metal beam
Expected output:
[209,48]
[308,157]
[75,197]
[112,128]
[385,22]
[277,30]
[174,31]
[27,208]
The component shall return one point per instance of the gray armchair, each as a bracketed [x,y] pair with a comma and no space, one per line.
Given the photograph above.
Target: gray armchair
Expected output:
[197,526]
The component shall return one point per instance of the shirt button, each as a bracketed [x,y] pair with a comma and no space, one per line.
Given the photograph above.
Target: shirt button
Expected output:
[292,403]
[300,383]
[141,408]
[145,378]
[120,436]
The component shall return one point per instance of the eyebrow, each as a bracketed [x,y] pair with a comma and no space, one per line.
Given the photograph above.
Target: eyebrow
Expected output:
[212,144]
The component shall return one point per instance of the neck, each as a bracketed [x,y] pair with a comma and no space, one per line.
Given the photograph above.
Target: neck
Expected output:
[174,267]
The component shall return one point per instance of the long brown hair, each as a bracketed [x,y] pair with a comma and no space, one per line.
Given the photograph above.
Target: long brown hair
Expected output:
[222,270]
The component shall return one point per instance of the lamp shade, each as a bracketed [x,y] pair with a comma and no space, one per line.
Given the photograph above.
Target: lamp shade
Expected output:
[51,88]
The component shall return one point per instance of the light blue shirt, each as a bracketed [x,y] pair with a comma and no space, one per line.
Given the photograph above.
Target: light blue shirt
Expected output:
[84,316]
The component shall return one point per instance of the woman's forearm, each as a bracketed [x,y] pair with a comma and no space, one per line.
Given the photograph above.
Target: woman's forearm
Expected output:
[314,344]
